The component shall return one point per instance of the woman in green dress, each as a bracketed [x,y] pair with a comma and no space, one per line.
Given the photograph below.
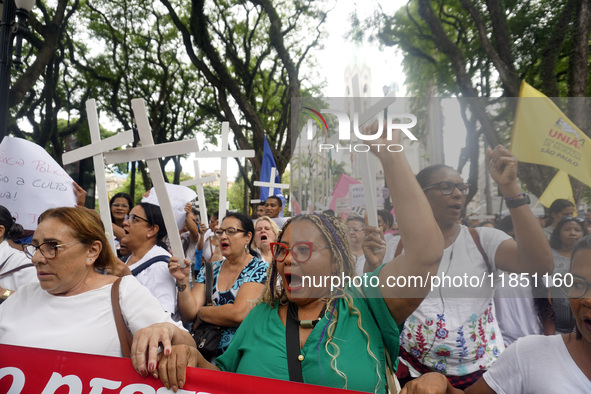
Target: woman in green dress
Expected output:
[343,331]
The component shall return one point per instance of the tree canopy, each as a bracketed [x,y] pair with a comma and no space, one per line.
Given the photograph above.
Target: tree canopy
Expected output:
[195,64]
[468,48]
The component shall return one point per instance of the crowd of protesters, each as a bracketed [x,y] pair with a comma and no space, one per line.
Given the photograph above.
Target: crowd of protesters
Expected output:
[245,277]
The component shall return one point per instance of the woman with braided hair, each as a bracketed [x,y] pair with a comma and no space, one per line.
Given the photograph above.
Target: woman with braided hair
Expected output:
[304,330]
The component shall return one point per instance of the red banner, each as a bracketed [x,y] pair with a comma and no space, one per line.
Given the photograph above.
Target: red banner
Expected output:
[39,371]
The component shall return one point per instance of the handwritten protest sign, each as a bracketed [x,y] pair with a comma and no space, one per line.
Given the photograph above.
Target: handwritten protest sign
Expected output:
[31,181]
[343,205]
[357,194]
[179,197]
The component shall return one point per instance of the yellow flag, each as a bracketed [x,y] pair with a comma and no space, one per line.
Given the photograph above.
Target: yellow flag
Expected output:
[559,187]
[542,134]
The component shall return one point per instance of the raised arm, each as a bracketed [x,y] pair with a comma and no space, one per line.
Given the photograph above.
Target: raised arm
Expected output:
[530,251]
[423,242]
[190,224]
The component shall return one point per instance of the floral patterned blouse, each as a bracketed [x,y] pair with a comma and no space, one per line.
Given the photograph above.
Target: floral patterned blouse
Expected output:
[454,331]
[255,271]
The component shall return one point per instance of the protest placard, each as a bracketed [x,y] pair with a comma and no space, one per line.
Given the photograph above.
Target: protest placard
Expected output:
[31,181]
[179,197]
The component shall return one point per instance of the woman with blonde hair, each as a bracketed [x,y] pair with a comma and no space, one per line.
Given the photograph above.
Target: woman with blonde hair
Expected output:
[310,331]
[265,232]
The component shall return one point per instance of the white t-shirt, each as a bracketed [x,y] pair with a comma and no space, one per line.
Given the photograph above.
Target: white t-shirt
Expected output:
[359,264]
[537,364]
[454,335]
[516,311]
[158,279]
[82,323]
[15,258]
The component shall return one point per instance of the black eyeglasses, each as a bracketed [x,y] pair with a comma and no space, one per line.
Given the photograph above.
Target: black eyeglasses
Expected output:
[578,289]
[230,231]
[572,219]
[133,216]
[446,188]
[47,249]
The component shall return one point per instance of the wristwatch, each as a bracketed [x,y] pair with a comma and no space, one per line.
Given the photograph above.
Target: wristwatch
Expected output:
[514,203]
[181,287]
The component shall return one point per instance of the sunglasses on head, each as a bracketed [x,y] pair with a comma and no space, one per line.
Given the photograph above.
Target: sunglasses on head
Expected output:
[572,219]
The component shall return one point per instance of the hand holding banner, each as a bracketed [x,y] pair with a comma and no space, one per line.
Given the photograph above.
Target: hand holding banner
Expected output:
[29,370]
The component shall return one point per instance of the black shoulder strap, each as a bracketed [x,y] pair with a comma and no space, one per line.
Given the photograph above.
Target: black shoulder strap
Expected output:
[12,271]
[6,261]
[208,283]
[292,344]
[146,264]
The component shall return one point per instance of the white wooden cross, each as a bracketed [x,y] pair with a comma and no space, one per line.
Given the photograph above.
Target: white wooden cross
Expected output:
[198,183]
[224,154]
[367,175]
[96,149]
[151,153]
[271,184]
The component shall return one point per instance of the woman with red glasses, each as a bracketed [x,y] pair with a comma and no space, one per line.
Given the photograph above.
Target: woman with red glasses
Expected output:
[311,329]
[455,330]
[238,280]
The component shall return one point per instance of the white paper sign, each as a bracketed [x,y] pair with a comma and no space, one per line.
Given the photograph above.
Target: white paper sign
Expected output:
[179,197]
[357,195]
[343,205]
[31,181]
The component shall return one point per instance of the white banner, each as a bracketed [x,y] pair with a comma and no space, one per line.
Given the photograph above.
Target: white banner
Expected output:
[31,181]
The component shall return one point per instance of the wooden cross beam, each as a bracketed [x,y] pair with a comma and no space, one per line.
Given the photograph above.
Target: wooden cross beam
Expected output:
[198,182]
[271,184]
[96,149]
[224,154]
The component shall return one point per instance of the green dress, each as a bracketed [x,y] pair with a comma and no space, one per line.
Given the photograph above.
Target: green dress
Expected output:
[258,347]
